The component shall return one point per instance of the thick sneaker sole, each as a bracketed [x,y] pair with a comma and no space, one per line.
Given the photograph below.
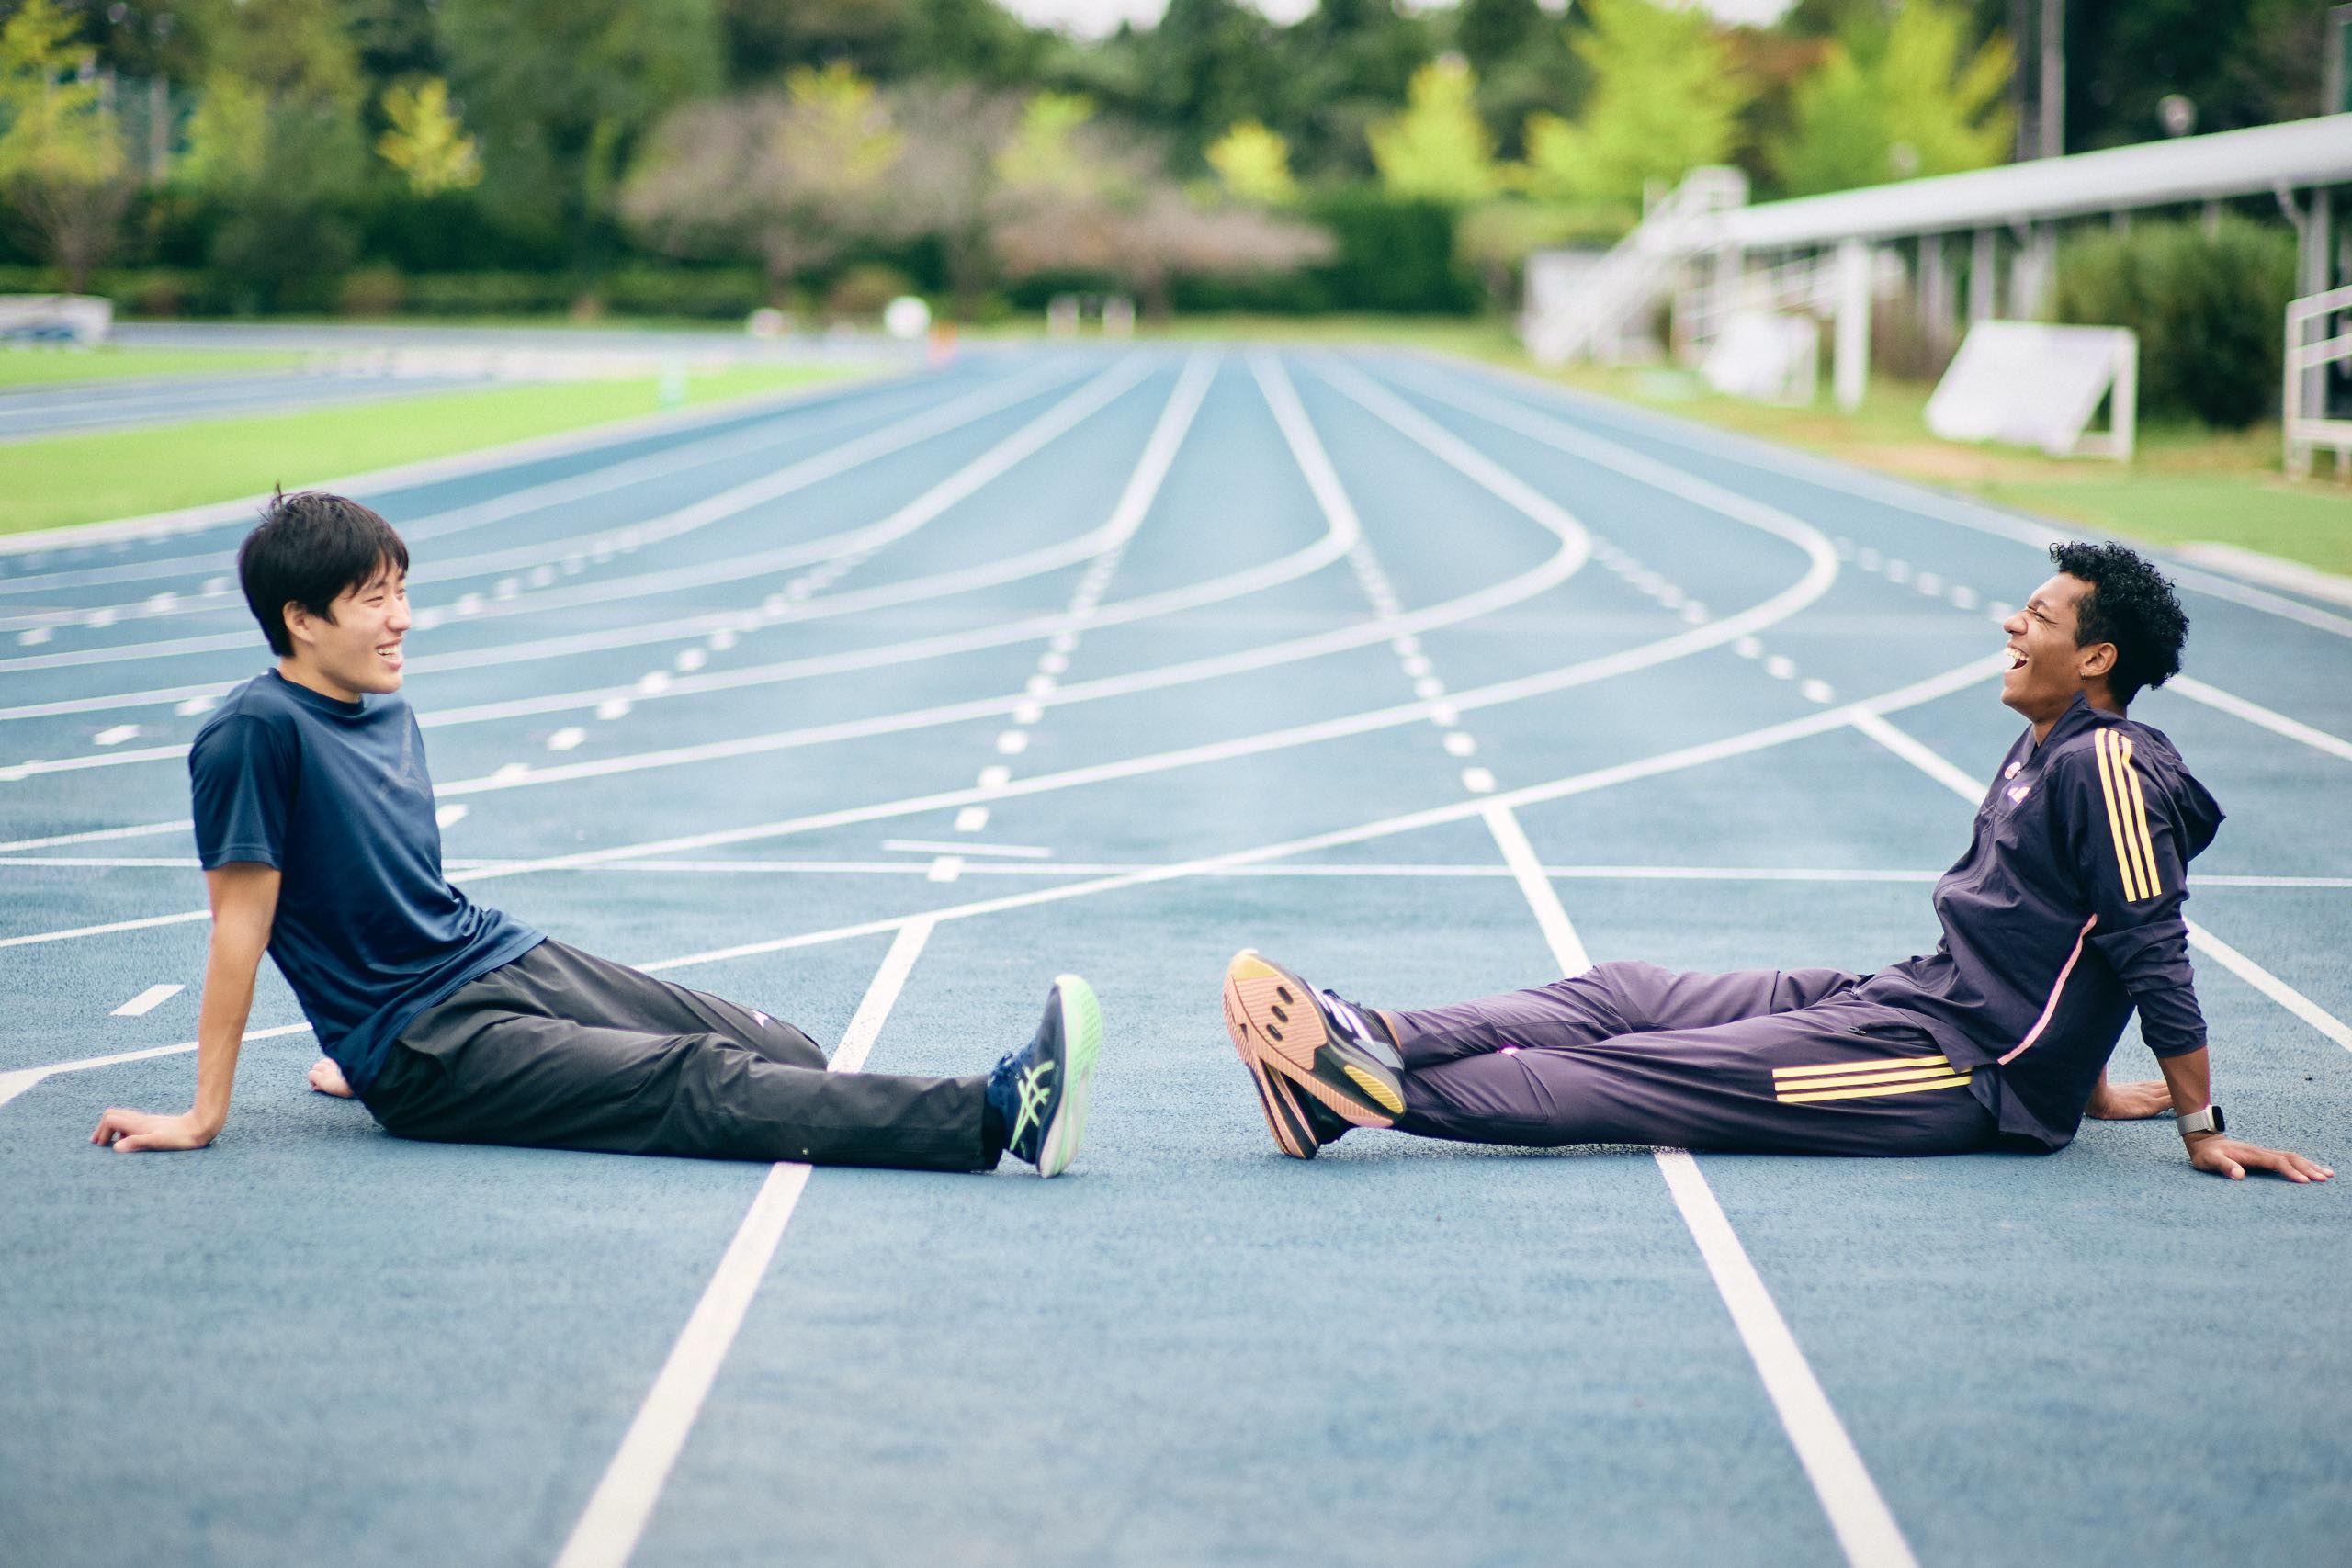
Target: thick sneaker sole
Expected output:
[1081,1043]
[1277,1026]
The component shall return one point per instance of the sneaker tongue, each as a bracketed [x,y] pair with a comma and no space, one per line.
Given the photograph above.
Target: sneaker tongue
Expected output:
[1349,1018]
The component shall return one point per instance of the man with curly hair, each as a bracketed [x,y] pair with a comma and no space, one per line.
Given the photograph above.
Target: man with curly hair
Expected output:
[2062,918]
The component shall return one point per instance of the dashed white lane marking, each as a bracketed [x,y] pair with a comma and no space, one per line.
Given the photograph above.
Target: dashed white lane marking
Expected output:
[1858,1515]
[622,1504]
[947,868]
[996,775]
[34,637]
[201,703]
[450,816]
[116,735]
[971,819]
[613,708]
[1780,667]
[1478,781]
[1816,691]
[147,1001]
[567,739]
[1013,742]
[1459,743]
[931,846]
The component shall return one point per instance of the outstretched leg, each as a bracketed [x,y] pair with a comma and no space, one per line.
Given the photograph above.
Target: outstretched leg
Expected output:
[1842,1077]
[1604,1002]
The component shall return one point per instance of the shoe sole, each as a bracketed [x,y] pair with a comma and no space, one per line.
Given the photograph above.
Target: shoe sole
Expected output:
[1081,1043]
[1277,1027]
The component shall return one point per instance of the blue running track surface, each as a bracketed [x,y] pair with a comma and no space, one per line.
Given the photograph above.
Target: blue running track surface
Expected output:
[878,710]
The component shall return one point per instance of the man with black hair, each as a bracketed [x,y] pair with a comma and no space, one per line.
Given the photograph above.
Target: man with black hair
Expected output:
[2061,919]
[450,1021]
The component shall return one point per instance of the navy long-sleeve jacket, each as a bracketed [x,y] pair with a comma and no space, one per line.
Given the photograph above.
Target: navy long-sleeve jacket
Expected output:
[2063,916]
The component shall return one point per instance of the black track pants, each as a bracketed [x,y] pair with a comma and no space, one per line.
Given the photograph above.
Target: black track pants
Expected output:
[560,1049]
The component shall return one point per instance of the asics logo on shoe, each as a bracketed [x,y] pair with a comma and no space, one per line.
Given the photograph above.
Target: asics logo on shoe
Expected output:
[1031,1088]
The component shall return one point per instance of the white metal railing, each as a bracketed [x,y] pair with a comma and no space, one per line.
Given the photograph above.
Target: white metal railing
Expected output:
[2303,425]
[2306,426]
[1624,284]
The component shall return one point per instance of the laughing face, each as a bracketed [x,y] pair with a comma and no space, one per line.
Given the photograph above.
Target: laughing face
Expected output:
[2047,667]
[358,650]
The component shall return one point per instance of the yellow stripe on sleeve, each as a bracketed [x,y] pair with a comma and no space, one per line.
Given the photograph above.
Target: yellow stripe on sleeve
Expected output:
[2106,783]
[1885,1064]
[2137,818]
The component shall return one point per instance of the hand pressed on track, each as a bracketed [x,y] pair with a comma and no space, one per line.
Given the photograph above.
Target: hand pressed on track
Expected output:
[2228,1156]
[2129,1101]
[133,1132]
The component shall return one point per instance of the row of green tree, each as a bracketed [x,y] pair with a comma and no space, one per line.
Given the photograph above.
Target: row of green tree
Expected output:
[1363,155]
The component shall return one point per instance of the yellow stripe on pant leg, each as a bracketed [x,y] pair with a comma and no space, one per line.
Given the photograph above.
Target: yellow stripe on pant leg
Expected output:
[1957,1080]
[1885,1064]
[1799,1085]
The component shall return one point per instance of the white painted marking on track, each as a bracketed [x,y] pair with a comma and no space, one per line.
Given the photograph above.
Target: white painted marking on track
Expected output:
[622,1504]
[1478,781]
[200,702]
[690,659]
[34,637]
[1013,742]
[947,868]
[511,772]
[450,816]
[147,1001]
[931,846]
[1780,667]
[612,708]
[996,775]
[1748,648]
[2197,691]
[1028,713]
[1459,743]
[971,819]
[116,735]
[1858,1515]
[1816,691]
[566,739]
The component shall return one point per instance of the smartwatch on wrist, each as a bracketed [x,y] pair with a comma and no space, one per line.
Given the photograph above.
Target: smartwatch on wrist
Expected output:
[2206,1121]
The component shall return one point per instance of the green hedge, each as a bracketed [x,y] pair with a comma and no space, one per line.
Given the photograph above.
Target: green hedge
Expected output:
[1393,255]
[2209,310]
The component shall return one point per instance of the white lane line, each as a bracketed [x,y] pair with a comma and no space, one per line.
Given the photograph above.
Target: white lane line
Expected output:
[1226,864]
[1937,767]
[147,1001]
[13,1084]
[1519,859]
[2197,691]
[1915,500]
[1864,1525]
[462,867]
[930,847]
[1055,422]
[772,430]
[1567,676]
[623,1503]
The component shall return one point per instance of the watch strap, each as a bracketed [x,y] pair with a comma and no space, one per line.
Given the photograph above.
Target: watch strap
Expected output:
[2206,1121]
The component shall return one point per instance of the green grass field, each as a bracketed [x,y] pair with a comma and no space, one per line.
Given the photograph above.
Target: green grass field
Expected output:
[128,473]
[31,366]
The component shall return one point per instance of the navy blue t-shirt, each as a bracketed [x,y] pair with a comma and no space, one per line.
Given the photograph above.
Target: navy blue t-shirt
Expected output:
[334,797]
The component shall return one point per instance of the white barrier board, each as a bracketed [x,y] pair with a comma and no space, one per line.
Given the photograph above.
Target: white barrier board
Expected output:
[1769,357]
[73,318]
[2034,385]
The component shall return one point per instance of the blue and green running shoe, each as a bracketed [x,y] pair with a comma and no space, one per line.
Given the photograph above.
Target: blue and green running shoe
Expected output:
[1040,1090]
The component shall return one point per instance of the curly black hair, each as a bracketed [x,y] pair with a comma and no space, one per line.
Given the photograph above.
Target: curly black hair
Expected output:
[2130,605]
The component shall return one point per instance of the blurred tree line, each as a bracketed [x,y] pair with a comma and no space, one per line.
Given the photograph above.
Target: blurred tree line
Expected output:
[705,156]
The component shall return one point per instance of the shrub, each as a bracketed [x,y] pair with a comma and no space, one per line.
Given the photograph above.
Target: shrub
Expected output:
[2208,309]
[1393,255]
[490,293]
[864,288]
[650,289]
[372,292]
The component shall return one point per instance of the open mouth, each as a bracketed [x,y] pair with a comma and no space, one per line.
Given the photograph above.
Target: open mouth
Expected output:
[390,654]
[2017,660]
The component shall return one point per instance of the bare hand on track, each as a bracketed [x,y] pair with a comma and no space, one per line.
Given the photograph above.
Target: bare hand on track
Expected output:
[131,1132]
[2129,1101]
[2227,1157]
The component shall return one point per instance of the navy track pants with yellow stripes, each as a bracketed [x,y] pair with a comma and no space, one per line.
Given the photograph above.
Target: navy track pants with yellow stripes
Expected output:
[1783,1061]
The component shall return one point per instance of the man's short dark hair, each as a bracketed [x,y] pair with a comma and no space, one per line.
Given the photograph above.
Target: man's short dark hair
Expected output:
[309,549]
[2130,605]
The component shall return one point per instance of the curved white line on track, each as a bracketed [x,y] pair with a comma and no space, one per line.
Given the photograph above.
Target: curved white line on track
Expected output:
[1659,764]
[690,425]
[596,484]
[1055,423]
[1821,571]
[1570,438]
